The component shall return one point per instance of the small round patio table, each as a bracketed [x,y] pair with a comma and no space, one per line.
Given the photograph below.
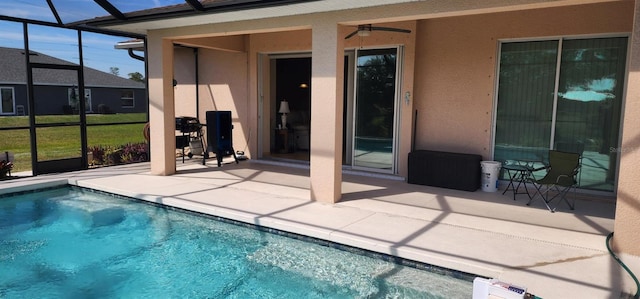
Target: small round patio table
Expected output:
[518,175]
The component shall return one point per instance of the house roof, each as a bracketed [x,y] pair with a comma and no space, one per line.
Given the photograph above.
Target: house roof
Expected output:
[13,70]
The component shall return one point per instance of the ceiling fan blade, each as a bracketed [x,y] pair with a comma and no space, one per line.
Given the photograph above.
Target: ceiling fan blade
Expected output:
[391,29]
[369,28]
[351,34]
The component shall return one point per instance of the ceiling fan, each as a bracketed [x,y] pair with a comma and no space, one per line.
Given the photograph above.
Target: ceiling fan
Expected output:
[365,30]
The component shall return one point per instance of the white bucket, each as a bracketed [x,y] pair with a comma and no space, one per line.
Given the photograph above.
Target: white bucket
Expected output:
[490,172]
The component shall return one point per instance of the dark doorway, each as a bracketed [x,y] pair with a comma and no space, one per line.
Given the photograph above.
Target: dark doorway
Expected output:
[293,85]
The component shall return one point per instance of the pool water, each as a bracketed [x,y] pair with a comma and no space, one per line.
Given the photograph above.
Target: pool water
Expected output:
[75,243]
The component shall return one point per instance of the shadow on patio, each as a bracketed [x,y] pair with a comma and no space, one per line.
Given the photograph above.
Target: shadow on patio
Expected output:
[593,214]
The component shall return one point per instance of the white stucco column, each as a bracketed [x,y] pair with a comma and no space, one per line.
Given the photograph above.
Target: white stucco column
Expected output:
[326,112]
[161,105]
[627,229]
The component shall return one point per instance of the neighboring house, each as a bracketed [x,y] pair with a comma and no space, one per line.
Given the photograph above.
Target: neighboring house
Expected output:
[104,92]
[508,80]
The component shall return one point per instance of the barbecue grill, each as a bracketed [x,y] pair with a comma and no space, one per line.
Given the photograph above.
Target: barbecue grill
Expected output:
[191,136]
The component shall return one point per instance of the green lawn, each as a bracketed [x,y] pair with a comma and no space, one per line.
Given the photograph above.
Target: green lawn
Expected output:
[64,142]
[23,121]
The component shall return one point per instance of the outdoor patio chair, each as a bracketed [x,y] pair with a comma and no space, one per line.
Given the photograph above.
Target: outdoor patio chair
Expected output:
[561,177]
[576,146]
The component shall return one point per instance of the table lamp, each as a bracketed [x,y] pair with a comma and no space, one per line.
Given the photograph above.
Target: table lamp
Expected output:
[284,109]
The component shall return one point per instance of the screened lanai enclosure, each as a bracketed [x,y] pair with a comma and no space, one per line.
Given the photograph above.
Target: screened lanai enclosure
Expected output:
[79,99]
[72,97]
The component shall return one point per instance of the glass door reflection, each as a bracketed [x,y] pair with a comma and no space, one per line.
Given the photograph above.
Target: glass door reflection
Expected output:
[374,119]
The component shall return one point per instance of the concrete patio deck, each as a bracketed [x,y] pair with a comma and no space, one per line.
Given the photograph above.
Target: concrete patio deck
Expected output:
[554,255]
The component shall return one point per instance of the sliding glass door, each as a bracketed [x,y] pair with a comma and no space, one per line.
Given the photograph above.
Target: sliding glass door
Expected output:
[566,95]
[375,108]
[525,100]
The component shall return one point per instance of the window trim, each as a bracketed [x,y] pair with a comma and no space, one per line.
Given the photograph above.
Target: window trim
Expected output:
[132,98]
[13,99]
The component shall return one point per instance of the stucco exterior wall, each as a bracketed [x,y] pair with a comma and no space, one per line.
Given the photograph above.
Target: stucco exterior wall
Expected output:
[222,85]
[451,85]
[185,76]
[160,63]
[456,64]
[627,230]
[281,42]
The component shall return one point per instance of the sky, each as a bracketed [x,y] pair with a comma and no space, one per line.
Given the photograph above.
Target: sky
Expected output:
[98,49]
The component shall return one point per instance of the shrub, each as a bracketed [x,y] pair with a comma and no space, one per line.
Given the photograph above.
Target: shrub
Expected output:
[112,156]
[124,154]
[134,152]
[97,156]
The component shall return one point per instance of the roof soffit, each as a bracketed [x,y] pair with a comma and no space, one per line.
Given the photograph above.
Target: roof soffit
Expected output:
[234,43]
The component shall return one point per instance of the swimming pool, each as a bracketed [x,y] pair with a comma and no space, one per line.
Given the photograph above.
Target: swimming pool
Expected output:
[76,243]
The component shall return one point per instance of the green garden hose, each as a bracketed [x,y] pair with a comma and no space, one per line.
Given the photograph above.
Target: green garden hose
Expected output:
[637,295]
